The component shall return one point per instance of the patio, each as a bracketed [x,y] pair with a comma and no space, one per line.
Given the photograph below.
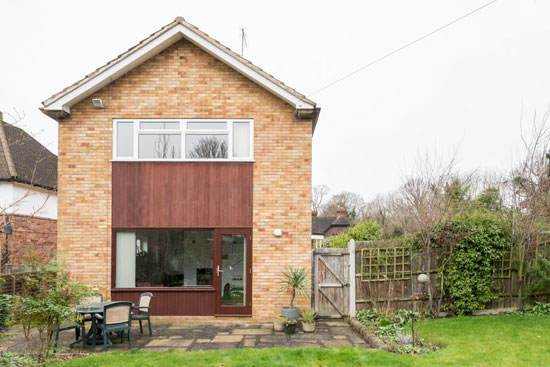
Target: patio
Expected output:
[194,336]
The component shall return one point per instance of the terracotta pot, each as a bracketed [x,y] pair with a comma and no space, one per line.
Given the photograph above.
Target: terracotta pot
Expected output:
[308,327]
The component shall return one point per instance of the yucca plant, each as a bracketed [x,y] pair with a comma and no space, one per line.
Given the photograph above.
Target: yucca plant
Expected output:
[296,281]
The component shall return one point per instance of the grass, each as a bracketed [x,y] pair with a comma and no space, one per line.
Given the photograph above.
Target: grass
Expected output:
[468,341]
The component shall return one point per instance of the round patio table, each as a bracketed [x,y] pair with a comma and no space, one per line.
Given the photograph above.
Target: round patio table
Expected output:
[92,309]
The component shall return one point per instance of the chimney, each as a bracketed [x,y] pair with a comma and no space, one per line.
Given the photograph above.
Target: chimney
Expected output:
[340,212]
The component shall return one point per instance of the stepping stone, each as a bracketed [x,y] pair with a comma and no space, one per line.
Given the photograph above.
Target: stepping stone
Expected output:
[340,337]
[279,339]
[251,332]
[336,343]
[249,343]
[227,339]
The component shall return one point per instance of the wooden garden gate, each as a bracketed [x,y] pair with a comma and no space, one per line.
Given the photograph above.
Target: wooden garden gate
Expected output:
[331,285]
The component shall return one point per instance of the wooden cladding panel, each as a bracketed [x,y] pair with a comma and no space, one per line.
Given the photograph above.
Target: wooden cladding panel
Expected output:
[173,302]
[182,195]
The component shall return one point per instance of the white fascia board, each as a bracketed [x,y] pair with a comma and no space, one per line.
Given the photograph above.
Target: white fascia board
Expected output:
[241,67]
[154,47]
[116,71]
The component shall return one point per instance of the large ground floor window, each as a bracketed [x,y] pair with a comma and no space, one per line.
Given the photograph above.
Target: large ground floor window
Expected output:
[190,272]
[164,258]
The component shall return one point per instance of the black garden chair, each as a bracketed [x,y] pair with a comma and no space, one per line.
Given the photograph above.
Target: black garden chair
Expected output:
[143,311]
[116,319]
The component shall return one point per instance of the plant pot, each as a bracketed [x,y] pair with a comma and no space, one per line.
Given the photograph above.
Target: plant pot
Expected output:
[290,313]
[290,328]
[279,324]
[308,327]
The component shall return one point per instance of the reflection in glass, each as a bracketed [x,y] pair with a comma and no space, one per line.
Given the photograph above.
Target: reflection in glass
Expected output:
[173,258]
[159,146]
[206,146]
[233,286]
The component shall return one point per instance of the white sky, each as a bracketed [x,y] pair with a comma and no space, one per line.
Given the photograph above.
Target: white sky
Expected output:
[463,87]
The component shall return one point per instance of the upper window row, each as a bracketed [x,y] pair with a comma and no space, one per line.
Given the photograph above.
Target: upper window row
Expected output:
[183,139]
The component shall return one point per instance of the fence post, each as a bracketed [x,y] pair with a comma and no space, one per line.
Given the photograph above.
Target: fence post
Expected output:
[351,250]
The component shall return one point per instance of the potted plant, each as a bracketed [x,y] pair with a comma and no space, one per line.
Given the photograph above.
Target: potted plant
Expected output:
[290,326]
[279,323]
[308,321]
[295,281]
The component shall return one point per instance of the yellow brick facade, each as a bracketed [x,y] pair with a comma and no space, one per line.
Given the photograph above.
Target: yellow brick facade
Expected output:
[185,82]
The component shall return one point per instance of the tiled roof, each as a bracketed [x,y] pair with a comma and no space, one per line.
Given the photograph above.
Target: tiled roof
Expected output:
[178,20]
[320,225]
[25,160]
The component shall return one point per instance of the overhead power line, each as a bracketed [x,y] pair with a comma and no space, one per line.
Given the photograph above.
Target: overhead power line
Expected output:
[404,47]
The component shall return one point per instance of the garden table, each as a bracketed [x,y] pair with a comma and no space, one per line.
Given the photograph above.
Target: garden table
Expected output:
[92,309]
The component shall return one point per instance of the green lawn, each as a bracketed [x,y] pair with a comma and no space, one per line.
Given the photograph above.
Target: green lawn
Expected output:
[468,341]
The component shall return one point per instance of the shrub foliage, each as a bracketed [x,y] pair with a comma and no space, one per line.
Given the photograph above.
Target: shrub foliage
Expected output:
[481,239]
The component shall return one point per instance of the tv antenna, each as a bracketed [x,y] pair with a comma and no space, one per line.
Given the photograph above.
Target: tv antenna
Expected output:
[243,40]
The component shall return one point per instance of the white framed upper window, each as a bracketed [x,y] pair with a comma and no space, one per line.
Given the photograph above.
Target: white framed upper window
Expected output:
[183,140]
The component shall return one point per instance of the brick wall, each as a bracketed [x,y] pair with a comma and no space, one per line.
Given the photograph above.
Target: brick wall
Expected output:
[185,82]
[38,234]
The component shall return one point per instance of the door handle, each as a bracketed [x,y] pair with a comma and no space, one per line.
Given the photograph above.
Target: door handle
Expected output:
[218,270]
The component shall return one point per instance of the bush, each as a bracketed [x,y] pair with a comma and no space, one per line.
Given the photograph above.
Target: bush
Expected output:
[540,274]
[539,309]
[5,312]
[46,300]
[481,240]
[364,231]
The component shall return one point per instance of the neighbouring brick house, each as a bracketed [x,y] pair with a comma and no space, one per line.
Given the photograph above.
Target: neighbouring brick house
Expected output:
[325,227]
[185,170]
[28,197]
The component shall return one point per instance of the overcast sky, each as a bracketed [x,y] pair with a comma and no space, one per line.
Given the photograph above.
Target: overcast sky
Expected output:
[463,87]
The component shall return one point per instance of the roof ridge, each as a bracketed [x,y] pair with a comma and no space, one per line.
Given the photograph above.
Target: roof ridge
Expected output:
[178,20]
[7,151]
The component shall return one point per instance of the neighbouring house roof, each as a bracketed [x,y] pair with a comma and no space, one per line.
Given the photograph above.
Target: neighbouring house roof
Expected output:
[321,225]
[25,160]
[59,105]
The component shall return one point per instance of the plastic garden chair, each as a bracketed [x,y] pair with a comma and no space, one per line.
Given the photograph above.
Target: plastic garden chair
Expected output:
[115,319]
[143,311]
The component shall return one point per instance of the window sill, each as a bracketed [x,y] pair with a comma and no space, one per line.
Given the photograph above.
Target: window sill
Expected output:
[185,160]
[164,289]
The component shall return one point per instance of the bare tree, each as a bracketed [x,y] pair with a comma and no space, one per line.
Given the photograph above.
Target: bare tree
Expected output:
[318,194]
[426,203]
[528,194]
[352,203]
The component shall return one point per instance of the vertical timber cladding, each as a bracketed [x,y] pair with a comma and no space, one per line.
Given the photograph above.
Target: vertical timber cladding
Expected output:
[182,195]
[178,195]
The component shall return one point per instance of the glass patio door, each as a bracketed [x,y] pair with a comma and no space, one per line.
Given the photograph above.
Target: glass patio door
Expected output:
[233,272]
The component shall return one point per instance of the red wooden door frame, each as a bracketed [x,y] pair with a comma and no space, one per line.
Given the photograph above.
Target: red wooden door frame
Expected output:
[245,310]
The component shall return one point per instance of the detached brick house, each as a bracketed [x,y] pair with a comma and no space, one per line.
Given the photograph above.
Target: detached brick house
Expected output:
[28,197]
[185,170]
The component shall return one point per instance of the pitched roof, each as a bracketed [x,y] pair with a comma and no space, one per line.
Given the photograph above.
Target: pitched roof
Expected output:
[320,225]
[58,105]
[25,160]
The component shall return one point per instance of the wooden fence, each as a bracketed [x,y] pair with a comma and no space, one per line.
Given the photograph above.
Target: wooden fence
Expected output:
[12,284]
[384,275]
